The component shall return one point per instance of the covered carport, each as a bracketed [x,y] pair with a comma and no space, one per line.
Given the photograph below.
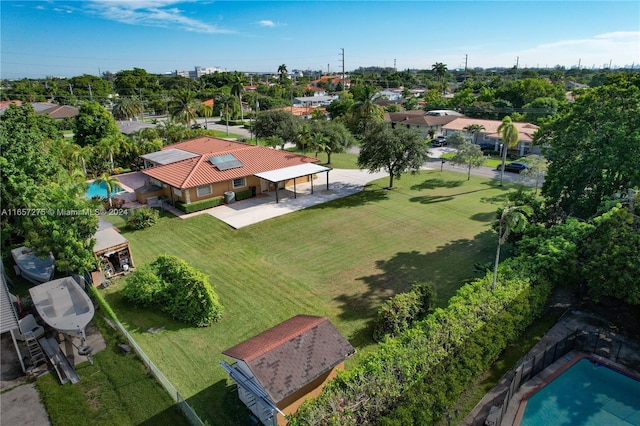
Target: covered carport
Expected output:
[292,173]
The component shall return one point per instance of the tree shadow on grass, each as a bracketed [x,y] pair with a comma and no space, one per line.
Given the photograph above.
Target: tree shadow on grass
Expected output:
[370,194]
[447,268]
[436,183]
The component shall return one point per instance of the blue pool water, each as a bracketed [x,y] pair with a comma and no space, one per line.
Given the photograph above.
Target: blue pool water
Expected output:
[100,190]
[587,393]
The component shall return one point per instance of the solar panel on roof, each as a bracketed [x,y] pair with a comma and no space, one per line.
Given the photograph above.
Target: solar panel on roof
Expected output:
[225,162]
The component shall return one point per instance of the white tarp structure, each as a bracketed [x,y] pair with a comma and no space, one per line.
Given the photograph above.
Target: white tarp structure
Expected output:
[293,172]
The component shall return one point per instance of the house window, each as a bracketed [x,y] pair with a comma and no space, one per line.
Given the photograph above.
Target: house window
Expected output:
[203,190]
[177,192]
[238,183]
[155,182]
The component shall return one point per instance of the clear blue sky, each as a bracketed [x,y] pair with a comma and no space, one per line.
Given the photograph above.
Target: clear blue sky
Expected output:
[69,38]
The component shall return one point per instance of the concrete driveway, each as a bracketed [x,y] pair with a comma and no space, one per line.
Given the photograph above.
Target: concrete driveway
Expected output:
[341,184]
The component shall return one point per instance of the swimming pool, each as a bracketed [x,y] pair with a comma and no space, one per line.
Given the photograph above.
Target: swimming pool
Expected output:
[587,393]
[100,190]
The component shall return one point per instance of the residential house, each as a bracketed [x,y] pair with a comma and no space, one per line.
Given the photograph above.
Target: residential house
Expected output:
[421,120]
[129,127]
[313,101]
[207,167]
[277,370]
[329,82]
[490,133]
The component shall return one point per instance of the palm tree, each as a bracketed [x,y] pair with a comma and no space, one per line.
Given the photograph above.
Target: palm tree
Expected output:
[512,218]
[127,108]
[303,137]
[319,142]
[183,107]
[110,183]
[206,111]
[109,146]
[80,154]
[440,70]
[510,137]
[237,89]
[366,109]
[474,129]
[282,71]
[225,101]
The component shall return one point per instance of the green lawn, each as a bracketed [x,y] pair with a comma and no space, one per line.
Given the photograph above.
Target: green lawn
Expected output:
[340,259]
[116,390]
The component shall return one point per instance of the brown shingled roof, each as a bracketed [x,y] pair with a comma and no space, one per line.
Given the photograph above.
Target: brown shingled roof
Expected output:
[292,354]
[197,171]
[526,130]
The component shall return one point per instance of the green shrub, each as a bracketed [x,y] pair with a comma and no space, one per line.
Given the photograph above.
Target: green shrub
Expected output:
[399,312]
[196,206]
[178,289]
[243,195]
[143,287]
[143,217]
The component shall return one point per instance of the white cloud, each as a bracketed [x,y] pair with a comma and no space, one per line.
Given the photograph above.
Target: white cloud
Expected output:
[266,23]
[152,13]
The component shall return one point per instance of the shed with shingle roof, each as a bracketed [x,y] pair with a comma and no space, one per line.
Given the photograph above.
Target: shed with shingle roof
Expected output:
[281,367]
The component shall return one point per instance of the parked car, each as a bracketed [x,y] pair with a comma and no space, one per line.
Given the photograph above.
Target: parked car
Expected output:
[439,141]
[515,167]
[486,146]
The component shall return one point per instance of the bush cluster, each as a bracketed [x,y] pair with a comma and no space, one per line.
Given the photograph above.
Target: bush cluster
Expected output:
[143,217]
[196,206]
[399,312]
[176,288]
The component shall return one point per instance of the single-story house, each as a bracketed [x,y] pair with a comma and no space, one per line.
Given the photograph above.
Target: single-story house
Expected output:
[490,133]
[207,167]
[421,120]
[277,370]
[313,101]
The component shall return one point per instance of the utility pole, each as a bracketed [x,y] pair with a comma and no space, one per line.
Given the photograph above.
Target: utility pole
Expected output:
[343,88]
[517,63]
[395,69]
[90,93]
[466,58]
[70,88]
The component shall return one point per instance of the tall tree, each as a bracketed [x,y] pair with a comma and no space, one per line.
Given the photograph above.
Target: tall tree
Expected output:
[127,108]
[539,166]
[94,123]
[183,107]
[468,155]
[594,149]
[282,73]
[108,147]
[395,151]
[338,137]
[475,130]
[511,219]
[510,138]
[25,163]
[111,184]
[277,123]
[365,110]
[237,89]
[440,71]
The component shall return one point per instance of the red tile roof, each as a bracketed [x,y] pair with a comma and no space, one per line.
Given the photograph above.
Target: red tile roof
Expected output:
[292,354]
[526,130]
[198,171]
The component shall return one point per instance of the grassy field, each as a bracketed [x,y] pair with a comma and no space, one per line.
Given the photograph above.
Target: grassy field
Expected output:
[340,259]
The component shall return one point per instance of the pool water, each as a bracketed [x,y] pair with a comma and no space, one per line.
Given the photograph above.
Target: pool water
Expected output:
[587,393]
[100,190]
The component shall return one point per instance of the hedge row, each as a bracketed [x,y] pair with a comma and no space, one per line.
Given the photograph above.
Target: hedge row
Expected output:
[243,195]
[476,326]
[196,206]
